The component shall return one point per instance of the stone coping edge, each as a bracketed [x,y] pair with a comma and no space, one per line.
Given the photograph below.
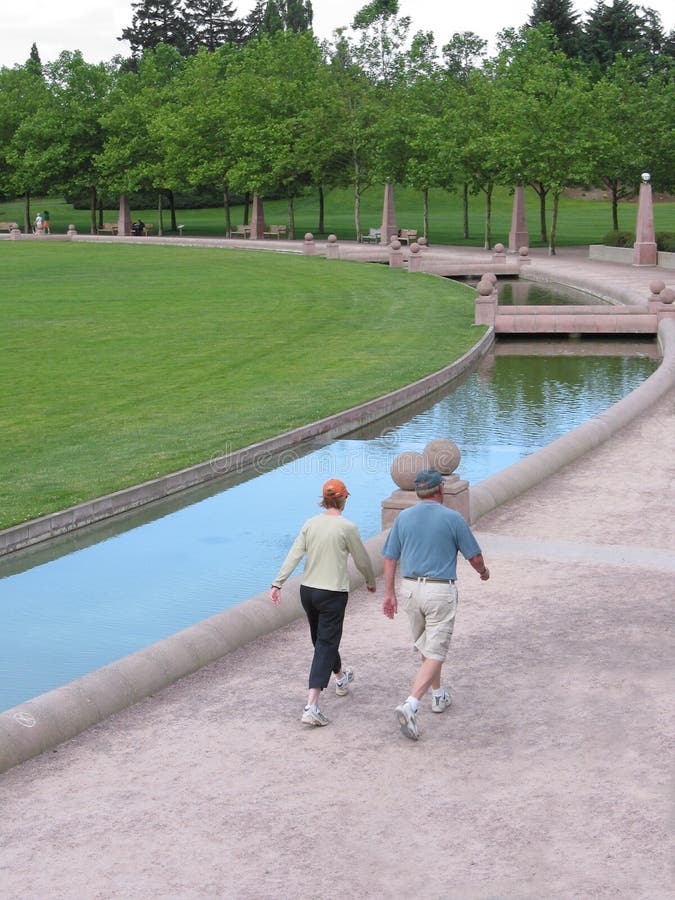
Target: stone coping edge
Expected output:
[57,716]
[535,468]
[29,533]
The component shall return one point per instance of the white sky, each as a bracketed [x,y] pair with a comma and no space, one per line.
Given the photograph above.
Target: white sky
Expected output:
[93,26]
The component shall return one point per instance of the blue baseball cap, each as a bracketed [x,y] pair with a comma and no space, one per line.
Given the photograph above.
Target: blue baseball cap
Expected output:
[429,478]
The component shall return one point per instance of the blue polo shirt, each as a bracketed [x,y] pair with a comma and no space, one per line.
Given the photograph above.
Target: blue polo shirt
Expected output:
[426,538]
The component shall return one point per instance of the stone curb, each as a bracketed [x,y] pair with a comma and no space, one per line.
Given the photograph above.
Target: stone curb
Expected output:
[33,532]
[524,474]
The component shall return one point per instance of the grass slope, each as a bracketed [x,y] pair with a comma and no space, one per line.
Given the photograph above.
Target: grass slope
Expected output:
[122,363]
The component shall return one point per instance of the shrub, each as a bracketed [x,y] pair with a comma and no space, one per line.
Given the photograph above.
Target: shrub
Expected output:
[619,239]
[665,241]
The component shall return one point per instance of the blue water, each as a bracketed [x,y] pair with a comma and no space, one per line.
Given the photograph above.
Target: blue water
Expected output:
[68,616]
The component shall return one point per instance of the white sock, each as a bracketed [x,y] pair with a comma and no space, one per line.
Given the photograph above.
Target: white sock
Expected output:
[414,703]
[439,692]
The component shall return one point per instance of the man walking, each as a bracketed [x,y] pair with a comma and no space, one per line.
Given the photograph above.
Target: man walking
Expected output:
[426,538]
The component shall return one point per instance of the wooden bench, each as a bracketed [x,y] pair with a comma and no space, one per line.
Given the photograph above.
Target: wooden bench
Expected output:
[242,231]
[148,229]
[8,226]
[107,228]
[407,235]
[276,231]
[374,236]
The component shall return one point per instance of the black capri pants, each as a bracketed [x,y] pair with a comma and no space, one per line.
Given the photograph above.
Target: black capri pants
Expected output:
[325,612]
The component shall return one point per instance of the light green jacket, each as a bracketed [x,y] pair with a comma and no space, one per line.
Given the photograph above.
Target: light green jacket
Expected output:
[327,541]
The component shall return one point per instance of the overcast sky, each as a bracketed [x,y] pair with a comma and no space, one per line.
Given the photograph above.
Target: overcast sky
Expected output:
[93,26]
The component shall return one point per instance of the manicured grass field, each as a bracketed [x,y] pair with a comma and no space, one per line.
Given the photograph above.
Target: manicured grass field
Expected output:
[122,363]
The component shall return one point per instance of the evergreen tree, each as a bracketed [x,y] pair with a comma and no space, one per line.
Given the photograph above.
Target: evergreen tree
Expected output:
[622,28]
[270,16]
[156,22]
[34,63]
[210,24]
[564,21]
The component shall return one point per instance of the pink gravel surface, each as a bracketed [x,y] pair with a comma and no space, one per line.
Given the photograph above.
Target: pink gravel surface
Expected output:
[549,777]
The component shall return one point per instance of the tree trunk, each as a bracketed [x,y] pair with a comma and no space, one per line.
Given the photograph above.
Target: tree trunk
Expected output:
[541,192]
[322,202]
[488,215]
[228,212]
[247,204]
[172,207]
[100,212]
[27,224]
[615,205]
[291,219]
[554,223]
[92,210]
[425,213]
[465,211]
[160,215]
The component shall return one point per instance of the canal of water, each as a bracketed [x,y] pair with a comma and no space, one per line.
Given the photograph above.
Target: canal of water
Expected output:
[77,603]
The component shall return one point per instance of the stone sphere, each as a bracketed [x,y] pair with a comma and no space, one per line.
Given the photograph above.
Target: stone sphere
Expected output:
[491,277]
[524,251]
[415,248]
[395,244]
[499,248]
[422,242]
[332,239]
[667,296]
[485,288]
[405,467]
[656,286]
[309,236]
[443,455]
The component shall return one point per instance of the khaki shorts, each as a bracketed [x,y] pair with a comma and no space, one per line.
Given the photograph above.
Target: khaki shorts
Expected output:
[431,608]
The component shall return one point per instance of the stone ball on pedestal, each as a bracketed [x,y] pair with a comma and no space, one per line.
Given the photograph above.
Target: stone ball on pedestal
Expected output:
[484,288]
[309,236]
[395,244]
[405,467]
[667,295]
[499,248]
[415,248]
[443,455]
[332,239]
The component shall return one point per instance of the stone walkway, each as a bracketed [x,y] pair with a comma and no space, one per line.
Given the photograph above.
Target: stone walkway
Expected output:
[549,777]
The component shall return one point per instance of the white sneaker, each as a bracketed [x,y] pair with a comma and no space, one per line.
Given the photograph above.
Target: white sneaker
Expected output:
[440,704]
[342,687]
[310,717]
[407,719]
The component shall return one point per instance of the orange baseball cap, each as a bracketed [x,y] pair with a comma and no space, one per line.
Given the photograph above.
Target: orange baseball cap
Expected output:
[335,488]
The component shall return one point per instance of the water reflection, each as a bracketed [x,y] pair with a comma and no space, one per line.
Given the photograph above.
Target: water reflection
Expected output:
[66,616]
[514,292]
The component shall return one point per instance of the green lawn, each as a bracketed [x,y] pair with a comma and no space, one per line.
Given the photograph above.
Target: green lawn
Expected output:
[581,221]
[122,363]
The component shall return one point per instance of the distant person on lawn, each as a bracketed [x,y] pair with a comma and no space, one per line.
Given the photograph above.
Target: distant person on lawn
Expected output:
[326,541]
[426,538]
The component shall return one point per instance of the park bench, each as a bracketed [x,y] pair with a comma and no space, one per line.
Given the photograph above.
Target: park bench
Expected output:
[407,235]
[242,231]
[373,237]
[276,231]
[8,226]
[148,229]
[107,228]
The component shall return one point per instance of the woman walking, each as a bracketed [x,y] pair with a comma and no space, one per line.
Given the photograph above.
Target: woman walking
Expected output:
[326,541]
